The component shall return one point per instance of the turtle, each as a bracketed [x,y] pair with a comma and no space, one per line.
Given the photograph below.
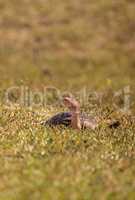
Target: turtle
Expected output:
[75,119]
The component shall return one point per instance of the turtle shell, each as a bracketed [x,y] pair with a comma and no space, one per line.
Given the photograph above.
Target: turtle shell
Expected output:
[63,118]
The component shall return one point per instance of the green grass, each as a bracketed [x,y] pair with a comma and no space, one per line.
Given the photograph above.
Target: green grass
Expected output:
[72,46]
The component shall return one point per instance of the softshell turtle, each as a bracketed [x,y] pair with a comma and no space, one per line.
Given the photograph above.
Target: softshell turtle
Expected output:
[75,119]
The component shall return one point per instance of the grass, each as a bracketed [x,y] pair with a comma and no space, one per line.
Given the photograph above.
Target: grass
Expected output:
[72,46]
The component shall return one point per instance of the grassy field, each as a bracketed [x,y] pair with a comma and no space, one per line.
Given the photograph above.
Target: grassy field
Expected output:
[75,46]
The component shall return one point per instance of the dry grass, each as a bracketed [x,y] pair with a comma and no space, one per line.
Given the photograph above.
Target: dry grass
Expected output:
[70,45]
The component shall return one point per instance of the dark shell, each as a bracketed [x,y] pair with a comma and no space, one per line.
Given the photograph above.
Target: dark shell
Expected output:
[63,118]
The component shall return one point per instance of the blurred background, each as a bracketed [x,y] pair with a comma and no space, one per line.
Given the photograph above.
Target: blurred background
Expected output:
[67,44]
[70,45]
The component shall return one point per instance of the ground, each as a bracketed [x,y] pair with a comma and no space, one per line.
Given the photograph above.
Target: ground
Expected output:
[79,47]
